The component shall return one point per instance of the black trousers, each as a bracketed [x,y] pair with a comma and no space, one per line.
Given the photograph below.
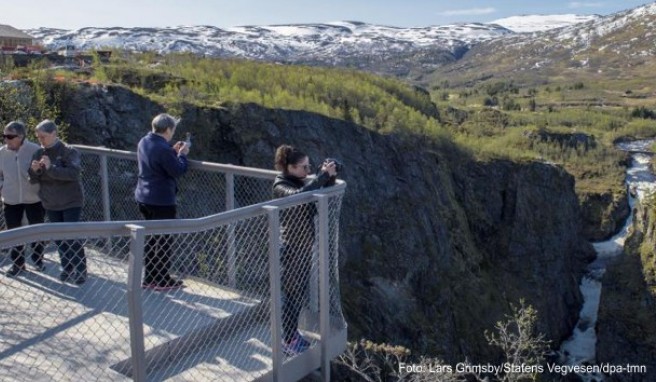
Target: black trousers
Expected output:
[296,263]
[157,256]
[14,219]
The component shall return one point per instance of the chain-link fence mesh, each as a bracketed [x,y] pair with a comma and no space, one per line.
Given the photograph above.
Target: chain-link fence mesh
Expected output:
[54,330]
[216,327]
[222,331]
[202,190]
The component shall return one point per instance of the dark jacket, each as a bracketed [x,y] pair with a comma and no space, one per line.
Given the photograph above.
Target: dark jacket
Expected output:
[159,166]
[60,186]
[297,223]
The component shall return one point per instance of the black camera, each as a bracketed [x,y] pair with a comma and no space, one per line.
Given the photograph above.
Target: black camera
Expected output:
[338,165]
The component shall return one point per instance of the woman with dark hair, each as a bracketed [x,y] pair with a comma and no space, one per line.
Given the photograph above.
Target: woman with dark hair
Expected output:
[297,236]
[19,196]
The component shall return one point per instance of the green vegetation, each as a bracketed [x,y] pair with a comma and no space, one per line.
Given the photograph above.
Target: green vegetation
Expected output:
[35,103]
[491,118]
[550,123]
[381,104]
[647,251]
[516,337]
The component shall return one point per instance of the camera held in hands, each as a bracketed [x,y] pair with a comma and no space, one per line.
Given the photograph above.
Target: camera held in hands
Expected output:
[338,165]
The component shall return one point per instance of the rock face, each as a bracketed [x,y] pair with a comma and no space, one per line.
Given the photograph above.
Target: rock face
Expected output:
[110,116]
[626,326]
[525,220]
[434,245]
[603,214]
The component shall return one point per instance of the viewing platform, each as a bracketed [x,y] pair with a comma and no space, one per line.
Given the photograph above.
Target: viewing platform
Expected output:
[224,325]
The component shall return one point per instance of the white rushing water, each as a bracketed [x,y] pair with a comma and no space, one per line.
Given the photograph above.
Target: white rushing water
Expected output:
[580,348]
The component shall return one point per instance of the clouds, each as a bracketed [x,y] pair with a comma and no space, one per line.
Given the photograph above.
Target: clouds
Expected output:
[585,4]
[468,12]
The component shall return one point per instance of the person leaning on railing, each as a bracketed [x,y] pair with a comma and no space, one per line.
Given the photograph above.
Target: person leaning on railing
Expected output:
[297,236]
[19,196]
[159,166]
[56,168]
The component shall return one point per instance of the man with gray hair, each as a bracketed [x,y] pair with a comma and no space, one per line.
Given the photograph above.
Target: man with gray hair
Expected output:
[160,164]
[56,167]
[19,196]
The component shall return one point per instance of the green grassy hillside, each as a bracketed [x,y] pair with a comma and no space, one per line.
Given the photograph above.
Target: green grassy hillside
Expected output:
[493,118]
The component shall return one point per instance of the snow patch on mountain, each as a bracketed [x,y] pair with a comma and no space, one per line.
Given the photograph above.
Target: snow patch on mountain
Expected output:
[582,35]
[539,23]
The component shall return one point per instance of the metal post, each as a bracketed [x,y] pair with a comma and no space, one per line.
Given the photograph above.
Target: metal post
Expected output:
[135,312]
[104,182]
[104,191]
[230,191]
[276,294]
[232,247]
[324,285]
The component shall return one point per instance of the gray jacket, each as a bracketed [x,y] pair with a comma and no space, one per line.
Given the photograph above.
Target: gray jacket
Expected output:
[61,188]
[15,186]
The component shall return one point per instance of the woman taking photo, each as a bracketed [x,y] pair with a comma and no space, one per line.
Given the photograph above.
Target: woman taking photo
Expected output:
[297,237]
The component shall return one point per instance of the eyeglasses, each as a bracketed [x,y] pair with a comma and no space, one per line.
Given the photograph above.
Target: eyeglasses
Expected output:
[9,136]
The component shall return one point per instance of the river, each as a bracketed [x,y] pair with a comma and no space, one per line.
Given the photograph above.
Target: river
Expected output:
[580,348]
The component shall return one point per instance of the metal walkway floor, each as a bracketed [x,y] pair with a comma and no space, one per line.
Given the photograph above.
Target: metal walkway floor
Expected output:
[51,331]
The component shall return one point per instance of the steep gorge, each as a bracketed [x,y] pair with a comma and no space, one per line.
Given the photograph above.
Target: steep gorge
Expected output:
[626,325]
[434,245]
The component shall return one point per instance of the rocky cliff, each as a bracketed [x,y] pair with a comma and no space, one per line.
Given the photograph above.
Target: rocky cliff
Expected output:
[626,326]
[603,213]
[434,245]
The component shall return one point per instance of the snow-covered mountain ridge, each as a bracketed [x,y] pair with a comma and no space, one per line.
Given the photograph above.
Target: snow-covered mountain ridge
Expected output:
[328,42]
[622,44]
[404,52]
[276,42]
[539,23]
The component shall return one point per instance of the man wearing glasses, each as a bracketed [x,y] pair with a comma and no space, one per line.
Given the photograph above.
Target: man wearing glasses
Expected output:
[19,196]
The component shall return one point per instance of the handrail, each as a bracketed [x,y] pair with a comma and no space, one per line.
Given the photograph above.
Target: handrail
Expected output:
[63,231]
[193,164]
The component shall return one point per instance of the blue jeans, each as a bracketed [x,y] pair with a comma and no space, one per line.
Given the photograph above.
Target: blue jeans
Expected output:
[71,252]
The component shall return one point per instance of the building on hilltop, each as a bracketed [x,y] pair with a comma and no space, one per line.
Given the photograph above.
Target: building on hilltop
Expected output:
[11,38]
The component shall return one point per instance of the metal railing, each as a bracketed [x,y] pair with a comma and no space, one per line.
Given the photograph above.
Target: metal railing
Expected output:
[224,325]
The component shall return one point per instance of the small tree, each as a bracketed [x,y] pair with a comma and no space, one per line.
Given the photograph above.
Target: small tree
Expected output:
[518,339]
[532,105]
[373,362]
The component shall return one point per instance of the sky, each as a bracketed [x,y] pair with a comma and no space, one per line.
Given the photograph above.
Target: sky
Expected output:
[74,14]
